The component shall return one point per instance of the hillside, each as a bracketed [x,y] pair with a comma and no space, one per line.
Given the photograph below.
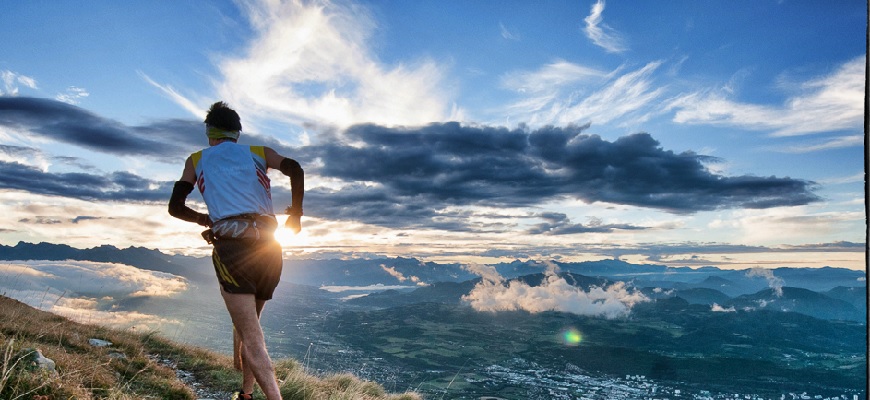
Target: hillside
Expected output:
[96,362]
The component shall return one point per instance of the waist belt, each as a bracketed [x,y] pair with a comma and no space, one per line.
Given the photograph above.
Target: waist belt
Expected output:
[246,226]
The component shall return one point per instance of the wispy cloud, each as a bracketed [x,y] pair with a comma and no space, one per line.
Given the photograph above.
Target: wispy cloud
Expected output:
[829,144]
[72,95]
[773,281]
[506,33]
[401,277]
[829,103]
[602,35]
[12,81]
[311,63]
[564,93]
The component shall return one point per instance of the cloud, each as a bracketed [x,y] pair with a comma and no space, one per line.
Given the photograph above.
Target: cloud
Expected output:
[553,294]
[116,186]
[487,272]
[560,224]
[67,123]
[87,291]
[773,281]
[12,80]
[438,176]
[828,103]
[401,277]
[718,308]
[312,63]
[72,95]
[832,143]
[602,35]
[564,93]
[506,33]
[423,176]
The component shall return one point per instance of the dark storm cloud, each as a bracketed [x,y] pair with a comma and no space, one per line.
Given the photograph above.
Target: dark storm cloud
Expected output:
[440,165]
[70,124]
[117,186]
[418,177]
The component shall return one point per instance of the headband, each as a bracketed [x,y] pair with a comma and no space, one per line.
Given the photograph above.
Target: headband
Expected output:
[218,133]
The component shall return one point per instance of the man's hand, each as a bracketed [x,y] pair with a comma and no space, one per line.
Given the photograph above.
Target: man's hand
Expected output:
[294,223]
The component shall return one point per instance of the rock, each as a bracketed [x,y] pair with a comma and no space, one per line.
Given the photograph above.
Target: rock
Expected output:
[99,343]
[33,358]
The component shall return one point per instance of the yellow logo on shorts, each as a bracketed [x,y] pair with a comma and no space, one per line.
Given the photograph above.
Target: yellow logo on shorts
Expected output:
[222,270]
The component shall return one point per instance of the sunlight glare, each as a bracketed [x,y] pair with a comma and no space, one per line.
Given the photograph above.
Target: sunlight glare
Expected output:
[286,238]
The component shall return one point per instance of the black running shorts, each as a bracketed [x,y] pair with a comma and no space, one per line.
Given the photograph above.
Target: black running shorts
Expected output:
[248,266]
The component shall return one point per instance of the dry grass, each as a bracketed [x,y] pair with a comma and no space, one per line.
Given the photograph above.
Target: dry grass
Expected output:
[131,368]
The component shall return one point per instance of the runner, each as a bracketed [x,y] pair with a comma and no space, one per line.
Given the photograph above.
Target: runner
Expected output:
[247,260]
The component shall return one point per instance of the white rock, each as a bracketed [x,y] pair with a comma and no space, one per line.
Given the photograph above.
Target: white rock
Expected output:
[99,343]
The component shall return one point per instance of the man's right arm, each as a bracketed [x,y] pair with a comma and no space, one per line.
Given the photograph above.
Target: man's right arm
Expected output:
[182,188]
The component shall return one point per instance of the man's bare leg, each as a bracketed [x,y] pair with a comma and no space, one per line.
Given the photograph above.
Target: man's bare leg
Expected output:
[244,313]
[238,355]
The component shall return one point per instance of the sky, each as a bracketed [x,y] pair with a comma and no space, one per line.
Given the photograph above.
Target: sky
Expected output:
[681,133]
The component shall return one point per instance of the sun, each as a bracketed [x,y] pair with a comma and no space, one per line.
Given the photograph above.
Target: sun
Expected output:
[286,237]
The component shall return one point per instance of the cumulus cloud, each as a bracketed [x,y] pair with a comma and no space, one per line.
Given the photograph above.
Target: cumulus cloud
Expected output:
[718,308]
[87,291]
[602,35]
[553,294]
[773,281]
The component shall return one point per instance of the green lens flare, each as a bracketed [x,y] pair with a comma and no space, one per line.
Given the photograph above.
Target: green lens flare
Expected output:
[572,337]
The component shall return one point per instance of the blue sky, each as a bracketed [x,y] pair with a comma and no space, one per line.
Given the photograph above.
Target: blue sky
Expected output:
[683,133]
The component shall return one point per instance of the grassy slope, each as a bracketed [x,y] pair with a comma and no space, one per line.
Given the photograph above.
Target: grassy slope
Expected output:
[135,366]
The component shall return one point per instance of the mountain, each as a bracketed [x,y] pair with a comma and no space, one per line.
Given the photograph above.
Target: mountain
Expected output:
[364,272]
[140,257]
[799,300]
[698,295]
[439,292]
[856,296]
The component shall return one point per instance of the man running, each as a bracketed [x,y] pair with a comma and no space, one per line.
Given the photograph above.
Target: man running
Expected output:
[247,260]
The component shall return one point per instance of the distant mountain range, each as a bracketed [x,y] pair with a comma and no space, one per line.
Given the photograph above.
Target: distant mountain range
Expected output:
[828,293]
[777,330]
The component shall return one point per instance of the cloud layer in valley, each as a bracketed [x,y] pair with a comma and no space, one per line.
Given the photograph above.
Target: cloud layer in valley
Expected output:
[88,291]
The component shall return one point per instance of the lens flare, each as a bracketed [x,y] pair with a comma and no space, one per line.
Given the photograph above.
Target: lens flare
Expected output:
[571,337]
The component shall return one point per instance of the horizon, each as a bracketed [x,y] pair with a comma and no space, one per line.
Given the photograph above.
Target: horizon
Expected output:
[315,257]
[453,132]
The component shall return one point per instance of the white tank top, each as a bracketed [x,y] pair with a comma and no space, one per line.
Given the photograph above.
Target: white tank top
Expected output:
[232,180]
